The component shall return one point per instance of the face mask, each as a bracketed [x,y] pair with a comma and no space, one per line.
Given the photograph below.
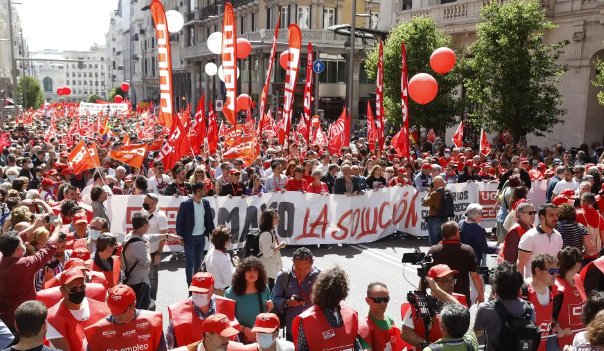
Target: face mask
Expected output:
[30,165]
[229,246]
[147,207]
[11,177]
[77,297]
[94,233]
[200,300]
[265,341]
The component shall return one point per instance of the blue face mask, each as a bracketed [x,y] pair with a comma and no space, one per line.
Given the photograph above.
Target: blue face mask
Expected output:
[264,340]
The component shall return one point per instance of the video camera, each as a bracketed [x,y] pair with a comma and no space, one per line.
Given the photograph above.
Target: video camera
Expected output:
[424,261]
[486,273]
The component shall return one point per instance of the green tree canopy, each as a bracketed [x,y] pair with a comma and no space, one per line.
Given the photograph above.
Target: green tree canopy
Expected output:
[421,38]
[599,82]
[93,98]
[513,72]
[30,89]
[116,91]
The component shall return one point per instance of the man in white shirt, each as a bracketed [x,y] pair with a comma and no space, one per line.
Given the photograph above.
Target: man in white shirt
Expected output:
[567,183]
[159,181]
[541,239]
[158,224]
[276,181]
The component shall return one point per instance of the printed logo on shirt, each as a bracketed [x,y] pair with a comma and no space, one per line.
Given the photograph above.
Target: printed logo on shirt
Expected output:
[129,332]
[144,337]
[328,334]
[108,333]
[143,325]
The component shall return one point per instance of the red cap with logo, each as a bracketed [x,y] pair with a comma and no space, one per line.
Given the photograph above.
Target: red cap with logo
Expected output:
[47,182]
[440,270]
[559,200]
[81,253]
[426,166]
[202,282]
[71,274]
[266,323]
[79,217]
[218,324]
[120,297]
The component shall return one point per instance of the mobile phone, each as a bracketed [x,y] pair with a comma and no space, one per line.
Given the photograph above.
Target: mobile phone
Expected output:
[52,265]
[297,298]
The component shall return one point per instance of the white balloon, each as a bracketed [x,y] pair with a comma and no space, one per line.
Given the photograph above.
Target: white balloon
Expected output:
[175,21]
[221,73]
[211,68]
[215,43]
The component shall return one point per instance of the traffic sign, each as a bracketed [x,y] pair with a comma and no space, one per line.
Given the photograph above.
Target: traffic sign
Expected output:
[318,66]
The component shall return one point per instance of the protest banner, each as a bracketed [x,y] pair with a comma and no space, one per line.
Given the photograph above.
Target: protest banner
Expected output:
[95,109]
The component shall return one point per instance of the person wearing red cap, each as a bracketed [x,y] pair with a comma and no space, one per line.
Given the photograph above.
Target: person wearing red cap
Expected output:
[266,328]
[68,318]
[468,174]
[441,281]
[79,236]
[377,330]
[47,190]
[125,327]
[187,316]
[216,335]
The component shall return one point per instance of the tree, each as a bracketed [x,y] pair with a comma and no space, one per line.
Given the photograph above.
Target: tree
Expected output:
[599,82]
[116,91]
[93,98]
[421,38]
[29,87]
[513,72]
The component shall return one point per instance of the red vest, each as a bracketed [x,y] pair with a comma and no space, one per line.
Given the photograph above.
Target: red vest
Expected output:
[63,321]
[52,296]
[543,314]
[598,263]
[232,346]
[187,325]
[73,243]
[144,333]
[112,277]
[378,338]
[418,322]
[571,310]
[322,336]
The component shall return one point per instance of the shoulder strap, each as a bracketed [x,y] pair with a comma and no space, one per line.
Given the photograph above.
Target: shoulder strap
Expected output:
[285,279]
[127,272]
[501,310]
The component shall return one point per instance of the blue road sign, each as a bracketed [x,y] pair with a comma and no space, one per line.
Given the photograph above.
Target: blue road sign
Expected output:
[318,66]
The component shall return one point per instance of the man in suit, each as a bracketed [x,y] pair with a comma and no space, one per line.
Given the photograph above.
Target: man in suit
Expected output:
[193,224]
[330,177]
[346,184]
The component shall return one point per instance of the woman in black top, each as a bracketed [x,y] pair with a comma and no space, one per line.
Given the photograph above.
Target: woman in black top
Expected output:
[376,180]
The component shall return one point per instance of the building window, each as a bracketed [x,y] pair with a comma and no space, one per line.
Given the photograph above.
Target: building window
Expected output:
[193,4]
[335,69]
[284,10]
[242,28]
[253,29]
[269,18]
[329,17]
[304,17]
[407,4]
[47,82]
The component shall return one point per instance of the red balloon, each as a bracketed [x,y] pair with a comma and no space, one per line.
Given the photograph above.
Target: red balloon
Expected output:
[442,60]
[423,88]
[66,91]
[118,99]
[284,59]
[125,87]
[60,91]
[244,101]
[244,48]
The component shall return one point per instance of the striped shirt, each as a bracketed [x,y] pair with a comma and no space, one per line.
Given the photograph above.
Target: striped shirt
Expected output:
[572,233]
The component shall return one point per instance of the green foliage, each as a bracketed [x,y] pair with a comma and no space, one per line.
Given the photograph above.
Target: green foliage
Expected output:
[599,82]
[513,73]
[116,91]
[93,98]
[30,88]
[421,38]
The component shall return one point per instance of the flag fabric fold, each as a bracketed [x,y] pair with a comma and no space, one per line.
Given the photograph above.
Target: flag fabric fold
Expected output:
[132,154]
[291,73]
[403,141]
[164,63]
[229,63]
[458,136]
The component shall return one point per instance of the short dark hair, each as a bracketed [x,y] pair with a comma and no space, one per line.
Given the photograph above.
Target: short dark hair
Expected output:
[140,182]
[568,258]
[9,242]
[104,241]
[543,208]
[449,229]
[593,305]
[220,236]
[507,281]
[104,223]
[266,220]
[139,220]
[589,198]
[303,253]
[197,186]
[455,318]
[274,164]
[541,260]
[96,193]
[30,316]
[68,188]
[96,176]
[153,197]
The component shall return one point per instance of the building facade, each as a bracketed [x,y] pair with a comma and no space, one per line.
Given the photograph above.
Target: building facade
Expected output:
[579,21]
[19,46]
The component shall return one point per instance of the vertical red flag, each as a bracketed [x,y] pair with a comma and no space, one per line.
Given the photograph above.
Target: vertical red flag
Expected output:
[458,136]
[267,80]
[371,133]
[485,146]
[336,133]
[175,147]
[308,90]
[229,63]
[347,126]
[379,98]
[164,62]
[212,131]
[200,124]
[403,140]
[82,158]
[295,43]
[431,136]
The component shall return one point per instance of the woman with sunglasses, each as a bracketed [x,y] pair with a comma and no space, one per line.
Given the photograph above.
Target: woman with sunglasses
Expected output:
[254,185]
[199,175]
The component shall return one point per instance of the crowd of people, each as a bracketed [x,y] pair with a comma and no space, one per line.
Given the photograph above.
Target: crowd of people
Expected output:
[67,282]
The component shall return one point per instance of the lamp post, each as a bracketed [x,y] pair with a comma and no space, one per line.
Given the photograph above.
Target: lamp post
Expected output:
[351,62]
[12,54]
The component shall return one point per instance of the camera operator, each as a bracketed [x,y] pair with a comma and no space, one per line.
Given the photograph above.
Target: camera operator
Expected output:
[459,257]
[455,322]
[441,281]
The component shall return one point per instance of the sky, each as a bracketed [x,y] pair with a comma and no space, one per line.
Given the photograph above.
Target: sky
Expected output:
[64,24]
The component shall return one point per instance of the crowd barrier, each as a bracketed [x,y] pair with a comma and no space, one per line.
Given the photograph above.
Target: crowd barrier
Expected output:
[311,219]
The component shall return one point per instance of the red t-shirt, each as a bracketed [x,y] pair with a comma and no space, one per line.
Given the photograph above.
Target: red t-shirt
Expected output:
[296,185]
[590,216]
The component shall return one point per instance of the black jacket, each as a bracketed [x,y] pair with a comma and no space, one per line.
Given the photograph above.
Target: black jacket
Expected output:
[339,186]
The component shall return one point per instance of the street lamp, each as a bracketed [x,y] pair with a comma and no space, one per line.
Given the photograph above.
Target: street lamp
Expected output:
[351,63]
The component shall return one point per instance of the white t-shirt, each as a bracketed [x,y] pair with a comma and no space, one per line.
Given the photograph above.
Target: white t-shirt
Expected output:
[81,314]
[537,242]
[219,264]
[155,185]
[564,185]
[157,223]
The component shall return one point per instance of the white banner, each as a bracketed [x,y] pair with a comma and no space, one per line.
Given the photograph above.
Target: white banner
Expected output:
[310,219]
[95,109]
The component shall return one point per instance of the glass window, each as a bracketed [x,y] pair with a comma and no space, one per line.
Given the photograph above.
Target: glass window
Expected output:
[303,17]
[269,18]
[253,29]
[242,28]
[329,16]
[284,16]
[193,4]
[47,82]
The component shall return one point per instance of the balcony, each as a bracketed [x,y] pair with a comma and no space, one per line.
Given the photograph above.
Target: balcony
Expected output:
[462,13]
[209,11]
[240,2]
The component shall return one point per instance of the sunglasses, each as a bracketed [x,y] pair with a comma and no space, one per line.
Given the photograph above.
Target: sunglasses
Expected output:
[76,289]
[551,271]
[380,299]
[530,213]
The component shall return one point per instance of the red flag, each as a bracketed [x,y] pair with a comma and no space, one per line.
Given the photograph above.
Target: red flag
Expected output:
[336,133]
[83,158]
[4,141]
[485,146]
[295,43]
[248,126]
[302,128]
[185,118]
[431,136]
[266,126]
[371,132]
[308,91]
[175,147]
[126,139]
[458,136]
[395,142]
[229,63]
[403,141]
[212,131]
[223,129]
[379,97]
[200,125]
[164,61]
[244,148]
[319,138]
[267,80]
[133,154]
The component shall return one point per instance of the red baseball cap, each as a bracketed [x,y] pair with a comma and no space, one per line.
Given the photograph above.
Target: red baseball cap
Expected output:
[119,298]
[47,182]
[266,323]
[234,171]
[427,166]
[440,270]
[469,162]
[75,263]
[220,324]
[559,200]
[202,282]
[79,218]
[71,274]
[568,193]
[81,253]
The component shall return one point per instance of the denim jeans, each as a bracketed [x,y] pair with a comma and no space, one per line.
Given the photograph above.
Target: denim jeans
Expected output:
[193,255]
[434,224]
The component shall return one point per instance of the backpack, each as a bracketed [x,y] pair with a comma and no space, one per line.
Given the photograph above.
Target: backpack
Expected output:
[517,333]
[447,205]
[252,243]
